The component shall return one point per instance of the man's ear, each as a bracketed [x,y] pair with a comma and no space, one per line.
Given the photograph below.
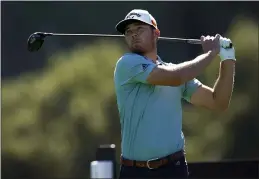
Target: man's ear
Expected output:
[157,33]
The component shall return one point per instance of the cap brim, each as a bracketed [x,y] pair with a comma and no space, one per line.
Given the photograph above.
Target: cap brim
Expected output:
[121,26]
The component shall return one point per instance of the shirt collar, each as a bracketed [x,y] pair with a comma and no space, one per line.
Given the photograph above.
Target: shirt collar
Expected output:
[159,61]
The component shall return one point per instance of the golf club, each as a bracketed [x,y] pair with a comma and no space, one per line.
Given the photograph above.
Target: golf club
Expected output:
[36,40]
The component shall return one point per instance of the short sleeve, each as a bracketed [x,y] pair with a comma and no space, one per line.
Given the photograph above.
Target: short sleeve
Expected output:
[189,88]
[133,68]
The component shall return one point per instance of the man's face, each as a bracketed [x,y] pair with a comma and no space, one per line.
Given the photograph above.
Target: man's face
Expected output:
[140,37]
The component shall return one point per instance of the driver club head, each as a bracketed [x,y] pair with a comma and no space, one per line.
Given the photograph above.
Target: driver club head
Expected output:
[35,41]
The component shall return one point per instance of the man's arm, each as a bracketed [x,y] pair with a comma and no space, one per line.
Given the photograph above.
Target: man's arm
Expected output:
[181,73]
[218,97]
[184,72]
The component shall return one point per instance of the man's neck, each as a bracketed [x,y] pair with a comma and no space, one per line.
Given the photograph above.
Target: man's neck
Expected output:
[152,56]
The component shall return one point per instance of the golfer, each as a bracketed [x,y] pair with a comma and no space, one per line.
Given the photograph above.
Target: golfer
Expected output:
[149,93]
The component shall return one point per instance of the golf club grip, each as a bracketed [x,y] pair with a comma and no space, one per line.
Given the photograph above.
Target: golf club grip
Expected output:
[189,41]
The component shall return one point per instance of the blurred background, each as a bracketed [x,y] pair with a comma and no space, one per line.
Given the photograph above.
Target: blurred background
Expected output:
[58,104]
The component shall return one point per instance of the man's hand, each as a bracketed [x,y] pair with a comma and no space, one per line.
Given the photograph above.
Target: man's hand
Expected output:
[225,52]
[210,43]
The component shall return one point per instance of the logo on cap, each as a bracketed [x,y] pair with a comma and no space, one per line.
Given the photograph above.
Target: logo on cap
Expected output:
[132,15]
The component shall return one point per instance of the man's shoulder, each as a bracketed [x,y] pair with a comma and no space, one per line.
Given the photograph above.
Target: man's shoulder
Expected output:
[128,59]
[129,56]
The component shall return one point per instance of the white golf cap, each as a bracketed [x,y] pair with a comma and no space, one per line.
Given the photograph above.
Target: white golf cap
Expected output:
[136,15]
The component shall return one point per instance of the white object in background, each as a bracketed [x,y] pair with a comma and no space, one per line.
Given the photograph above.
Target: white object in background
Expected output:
[101,169]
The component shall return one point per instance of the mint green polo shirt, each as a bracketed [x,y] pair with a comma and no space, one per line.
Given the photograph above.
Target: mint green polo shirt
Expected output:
[150,115]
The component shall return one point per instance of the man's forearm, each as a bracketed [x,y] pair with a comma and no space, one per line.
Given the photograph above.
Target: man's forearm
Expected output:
[191,69]
[224,84]
[181,73]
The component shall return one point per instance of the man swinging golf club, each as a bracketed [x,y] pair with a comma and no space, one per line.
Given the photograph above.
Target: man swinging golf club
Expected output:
[149,93]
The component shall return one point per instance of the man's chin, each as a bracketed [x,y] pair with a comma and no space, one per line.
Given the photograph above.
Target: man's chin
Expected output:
[137,50]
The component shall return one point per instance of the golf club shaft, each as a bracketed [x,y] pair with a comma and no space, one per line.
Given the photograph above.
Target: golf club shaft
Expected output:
[190,41]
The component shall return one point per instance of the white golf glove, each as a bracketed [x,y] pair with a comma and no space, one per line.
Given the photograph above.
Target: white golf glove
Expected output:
[226,53]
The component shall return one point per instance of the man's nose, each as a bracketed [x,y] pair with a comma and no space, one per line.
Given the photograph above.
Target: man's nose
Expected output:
[134,35]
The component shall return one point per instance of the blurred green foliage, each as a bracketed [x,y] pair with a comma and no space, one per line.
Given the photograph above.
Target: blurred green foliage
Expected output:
[56,117]
[52,121]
